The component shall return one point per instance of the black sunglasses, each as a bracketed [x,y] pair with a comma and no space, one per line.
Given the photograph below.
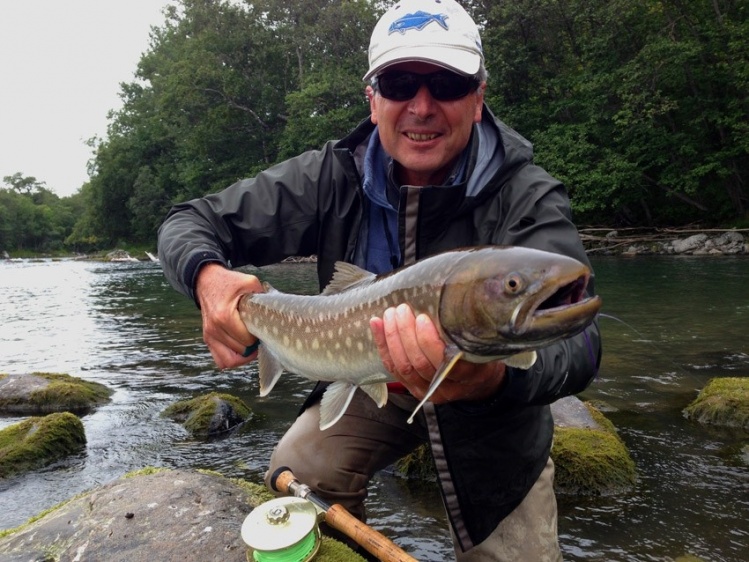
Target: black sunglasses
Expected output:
[444,85]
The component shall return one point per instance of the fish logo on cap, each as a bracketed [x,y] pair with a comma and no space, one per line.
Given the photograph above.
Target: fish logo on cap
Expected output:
[418,21]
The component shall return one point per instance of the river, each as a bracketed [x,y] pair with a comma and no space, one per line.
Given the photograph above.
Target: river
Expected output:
[121,324]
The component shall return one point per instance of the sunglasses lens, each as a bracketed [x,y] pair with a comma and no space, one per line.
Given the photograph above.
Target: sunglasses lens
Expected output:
[399,86]
[443,86]
[449,86]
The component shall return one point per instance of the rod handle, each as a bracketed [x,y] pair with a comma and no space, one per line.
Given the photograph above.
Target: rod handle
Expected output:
[374,542]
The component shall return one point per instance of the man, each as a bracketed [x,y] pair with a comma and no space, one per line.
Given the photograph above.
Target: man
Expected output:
[431,170]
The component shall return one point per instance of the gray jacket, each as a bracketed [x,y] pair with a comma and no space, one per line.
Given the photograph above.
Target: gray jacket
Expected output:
[313,205]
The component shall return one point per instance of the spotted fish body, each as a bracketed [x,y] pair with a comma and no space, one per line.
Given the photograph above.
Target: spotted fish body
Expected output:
[485,301]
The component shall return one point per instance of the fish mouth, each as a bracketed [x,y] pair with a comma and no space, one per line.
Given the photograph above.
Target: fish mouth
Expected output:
[561,308]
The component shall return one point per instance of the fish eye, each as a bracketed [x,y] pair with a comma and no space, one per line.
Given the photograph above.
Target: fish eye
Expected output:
[514,283]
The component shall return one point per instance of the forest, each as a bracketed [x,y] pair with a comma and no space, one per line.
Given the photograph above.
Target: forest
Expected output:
[639,106]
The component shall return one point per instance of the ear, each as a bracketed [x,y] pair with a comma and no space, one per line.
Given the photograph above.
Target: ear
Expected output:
[369,91]
[479,102]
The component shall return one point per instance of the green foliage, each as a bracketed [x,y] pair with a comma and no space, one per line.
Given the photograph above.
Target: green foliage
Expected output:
[639,106]
[32,217]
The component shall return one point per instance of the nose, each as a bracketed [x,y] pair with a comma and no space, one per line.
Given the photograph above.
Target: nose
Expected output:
[422,104]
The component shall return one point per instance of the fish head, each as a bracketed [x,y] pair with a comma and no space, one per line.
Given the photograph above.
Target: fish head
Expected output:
[499,301]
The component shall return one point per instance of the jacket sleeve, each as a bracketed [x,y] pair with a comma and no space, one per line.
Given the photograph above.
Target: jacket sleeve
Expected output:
[536,213]
[255,221]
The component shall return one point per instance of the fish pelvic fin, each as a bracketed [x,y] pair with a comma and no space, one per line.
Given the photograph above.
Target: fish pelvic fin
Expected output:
[270,369]
[347,276]
[523,360]
[377,392]
[441,374]
[334,403]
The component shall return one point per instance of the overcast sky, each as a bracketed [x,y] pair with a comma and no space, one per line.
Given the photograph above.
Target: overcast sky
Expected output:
[61,63]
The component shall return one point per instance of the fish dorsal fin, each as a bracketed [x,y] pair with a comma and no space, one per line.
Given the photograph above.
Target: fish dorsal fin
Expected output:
[523,360]
[270,369]
[335,400]
[441,374]
[346,276]
[377,392]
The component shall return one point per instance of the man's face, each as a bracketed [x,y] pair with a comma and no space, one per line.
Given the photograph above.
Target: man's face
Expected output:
[423,135]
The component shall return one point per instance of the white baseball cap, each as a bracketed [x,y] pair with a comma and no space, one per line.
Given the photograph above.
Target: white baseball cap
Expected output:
[435,31]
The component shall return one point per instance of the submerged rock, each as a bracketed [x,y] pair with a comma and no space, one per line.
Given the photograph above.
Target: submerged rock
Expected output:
[37,442]
[43,393]
[153,515]
[723,401]
[590,458]
[212,415]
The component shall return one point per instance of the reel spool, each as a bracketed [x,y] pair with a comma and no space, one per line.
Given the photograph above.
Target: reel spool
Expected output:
[282,530]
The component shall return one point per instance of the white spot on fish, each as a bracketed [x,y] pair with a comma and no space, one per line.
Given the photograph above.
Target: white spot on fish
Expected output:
[315,344]
[348,342]
[286,341]
[299,345]
[360,346]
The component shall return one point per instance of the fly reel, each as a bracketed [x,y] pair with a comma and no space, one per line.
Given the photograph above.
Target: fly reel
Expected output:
[282,530]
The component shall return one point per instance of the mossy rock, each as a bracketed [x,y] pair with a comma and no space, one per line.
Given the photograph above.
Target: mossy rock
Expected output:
[37,442]
[723,401]
[211,415]
[418,465]
[151,514]
[591,461]
[44,393]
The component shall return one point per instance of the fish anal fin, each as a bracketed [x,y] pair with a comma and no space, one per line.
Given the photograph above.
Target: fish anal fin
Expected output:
[377,392]
[335,400]
[441,374]
[269,368]
[347,276]
[523,360]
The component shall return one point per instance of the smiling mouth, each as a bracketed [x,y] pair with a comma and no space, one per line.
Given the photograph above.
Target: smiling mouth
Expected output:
[421,137]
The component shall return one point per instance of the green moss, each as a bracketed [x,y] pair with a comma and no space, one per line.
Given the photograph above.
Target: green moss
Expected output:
[590,461]
[37,442]
[723,401]
[63,393]
[197,414]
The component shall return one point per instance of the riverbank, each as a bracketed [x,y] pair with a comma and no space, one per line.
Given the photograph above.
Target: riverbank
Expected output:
[665,241]
[597,240]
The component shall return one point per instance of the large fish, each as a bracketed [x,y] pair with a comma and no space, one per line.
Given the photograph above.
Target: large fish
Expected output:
[488,302]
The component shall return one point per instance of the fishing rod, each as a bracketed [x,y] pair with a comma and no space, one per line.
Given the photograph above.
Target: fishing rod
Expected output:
[377,544]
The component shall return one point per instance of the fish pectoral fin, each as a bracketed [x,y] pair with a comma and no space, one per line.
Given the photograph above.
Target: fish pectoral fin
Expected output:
[523,360]
[441,374]
[269,368]
[335,400]
[347,276]
[377,392]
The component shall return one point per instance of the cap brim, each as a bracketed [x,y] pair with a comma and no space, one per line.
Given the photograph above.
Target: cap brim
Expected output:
[451,58]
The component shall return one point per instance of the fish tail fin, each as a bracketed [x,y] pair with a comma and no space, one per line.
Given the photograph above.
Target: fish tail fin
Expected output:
[269,368]
[335,401]
[441,374]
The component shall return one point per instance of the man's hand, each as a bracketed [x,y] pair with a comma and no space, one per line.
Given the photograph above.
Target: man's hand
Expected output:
[218,291]
[411,350]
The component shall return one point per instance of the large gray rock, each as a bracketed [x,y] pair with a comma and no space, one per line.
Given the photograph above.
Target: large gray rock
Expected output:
[169,515]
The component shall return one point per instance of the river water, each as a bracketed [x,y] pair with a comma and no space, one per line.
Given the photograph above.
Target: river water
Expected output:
[121,324]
